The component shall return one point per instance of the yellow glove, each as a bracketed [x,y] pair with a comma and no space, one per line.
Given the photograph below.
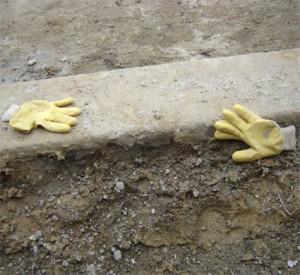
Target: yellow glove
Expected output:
[46,114]
[264,137]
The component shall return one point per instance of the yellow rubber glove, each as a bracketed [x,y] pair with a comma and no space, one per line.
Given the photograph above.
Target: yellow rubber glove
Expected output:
[46,114]
[264,137]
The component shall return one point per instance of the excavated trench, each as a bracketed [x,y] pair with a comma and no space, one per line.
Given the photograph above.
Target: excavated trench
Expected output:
[178,209]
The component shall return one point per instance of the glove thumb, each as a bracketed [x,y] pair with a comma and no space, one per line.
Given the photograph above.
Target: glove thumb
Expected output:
[246,155]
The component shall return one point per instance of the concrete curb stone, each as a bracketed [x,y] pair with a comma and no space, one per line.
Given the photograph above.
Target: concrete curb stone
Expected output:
[156,104]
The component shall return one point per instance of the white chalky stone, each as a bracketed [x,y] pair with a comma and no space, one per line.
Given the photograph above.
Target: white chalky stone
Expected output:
[117,255]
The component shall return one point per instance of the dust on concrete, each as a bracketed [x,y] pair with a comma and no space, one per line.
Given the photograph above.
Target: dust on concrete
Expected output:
[174,209]
[45,39]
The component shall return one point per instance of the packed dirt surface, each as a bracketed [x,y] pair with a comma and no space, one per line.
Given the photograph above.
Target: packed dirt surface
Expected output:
[43,39]
[173,209]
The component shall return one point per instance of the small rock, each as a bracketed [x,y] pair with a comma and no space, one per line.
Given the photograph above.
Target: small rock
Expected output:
[119,186]
[51,199]
[90,270]
[91,253]
[65,263]
[165,249]
[268,163]
[125,244]
[38,234]
[48,247]
[75,258]
[13,247]
[292,263]
[64,59]
[54,218]
[247,257]
[66,236]
[196,193]
[199,161]
[133,261]
[35,249]
[101,251]
[31,62]
[234,176]
[117,255]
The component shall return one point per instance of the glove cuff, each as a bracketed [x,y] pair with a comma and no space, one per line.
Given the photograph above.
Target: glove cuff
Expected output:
[9,112]
[289,137]
[21,125]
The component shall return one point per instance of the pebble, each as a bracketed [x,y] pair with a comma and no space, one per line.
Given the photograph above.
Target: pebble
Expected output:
[54,218]
[35,249]
[133,261]
[233,176]
[196,193]
[64,59]
[65,263]
[117,255]
[101,251]
[91,253]
[38,234]
[91,239]
[51,199]
[47,246]
[292,263]
[120,186]
[91,269]
[247,257]
[31,62]
[199,161]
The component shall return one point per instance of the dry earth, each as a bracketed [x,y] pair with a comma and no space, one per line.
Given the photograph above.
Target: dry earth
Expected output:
[174,209]
[66,38]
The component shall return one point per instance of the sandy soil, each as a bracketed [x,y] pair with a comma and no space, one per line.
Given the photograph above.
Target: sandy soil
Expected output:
[175,209]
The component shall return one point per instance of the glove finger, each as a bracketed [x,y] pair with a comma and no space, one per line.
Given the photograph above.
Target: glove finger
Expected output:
[225,127]
[55,127]
[221,135]
[61,118]
[64,102]
[246,155]
[234,119]
[70,111]
[246,114]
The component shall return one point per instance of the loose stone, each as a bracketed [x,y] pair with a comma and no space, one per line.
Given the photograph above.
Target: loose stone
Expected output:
[117,255]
